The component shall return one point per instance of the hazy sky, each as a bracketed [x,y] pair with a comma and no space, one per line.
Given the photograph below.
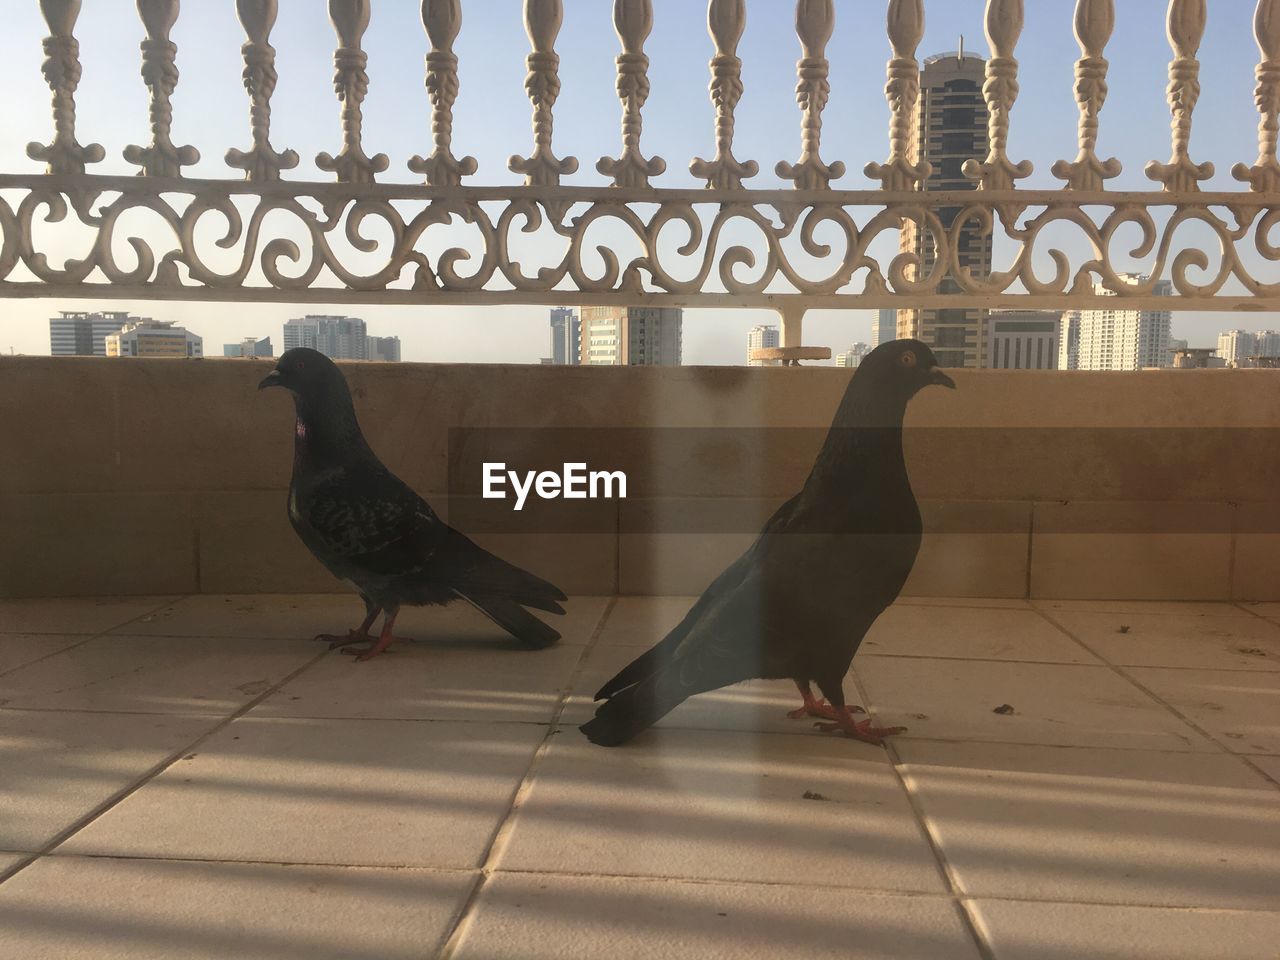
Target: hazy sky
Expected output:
[491,122]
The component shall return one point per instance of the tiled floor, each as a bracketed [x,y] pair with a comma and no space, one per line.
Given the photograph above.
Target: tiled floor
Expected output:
[193,777]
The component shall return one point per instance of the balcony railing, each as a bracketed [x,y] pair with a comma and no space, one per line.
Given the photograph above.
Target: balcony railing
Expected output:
[310,259]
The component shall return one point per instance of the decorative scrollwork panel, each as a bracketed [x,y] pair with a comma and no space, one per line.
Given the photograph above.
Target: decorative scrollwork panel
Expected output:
[195,239]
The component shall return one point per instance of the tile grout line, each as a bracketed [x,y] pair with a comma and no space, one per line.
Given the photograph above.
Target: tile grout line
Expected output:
[91,637]
[125,792]
[1151,694]
[959,900]
[467,912]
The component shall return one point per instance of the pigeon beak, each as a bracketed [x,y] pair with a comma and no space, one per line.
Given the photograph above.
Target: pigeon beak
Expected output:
[272,379]
[938,378]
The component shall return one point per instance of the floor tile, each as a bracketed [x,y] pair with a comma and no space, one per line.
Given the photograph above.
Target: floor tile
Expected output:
[999,634]
[712,805]
[17,649]
[1113,826]
[303,616]
[156,674]
[1269,764]
[1174,640]
[73,908]
[643,621]
[1067,931]
[462,680]
[73,614]
[1186,608]
[1052,704]
[57,767]
[1266,608]
[1241,710]
[7,860]
[363,792]
[994,603]
[532,917]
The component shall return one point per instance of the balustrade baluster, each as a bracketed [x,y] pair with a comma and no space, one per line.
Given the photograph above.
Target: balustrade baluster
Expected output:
[542,19]
[726,19]
[1003,27]
[1185,27]
[442,19]
[350,19]
[1264,176]
[261,162]
[633,20]
[61,69]
[815,22]
[160,72]
[905,23]
[1094,21]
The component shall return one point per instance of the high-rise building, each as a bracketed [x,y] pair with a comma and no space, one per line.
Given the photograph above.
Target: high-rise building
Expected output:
[566,336]
[1235,347]
[341,338]
[631,336]
[1023,339]
[885,326]
[154,338]
[77,333]
[1069,341]
[759,338]
[1239,348]
[1125,339]
[249,347]
[853,356]
[950,127]
[384,348]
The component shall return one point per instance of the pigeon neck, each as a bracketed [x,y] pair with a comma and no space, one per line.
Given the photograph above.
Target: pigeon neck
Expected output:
[866,432]
[327,430]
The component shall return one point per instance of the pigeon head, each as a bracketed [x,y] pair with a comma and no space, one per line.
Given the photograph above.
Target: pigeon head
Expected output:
[900,369]
[327,427]
[305,373]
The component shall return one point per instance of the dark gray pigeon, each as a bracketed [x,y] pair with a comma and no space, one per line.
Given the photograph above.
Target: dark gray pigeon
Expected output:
[369,529]
[797,604]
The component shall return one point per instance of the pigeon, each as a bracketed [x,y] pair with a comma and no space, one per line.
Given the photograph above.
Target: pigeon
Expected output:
[797,604]
[372,531]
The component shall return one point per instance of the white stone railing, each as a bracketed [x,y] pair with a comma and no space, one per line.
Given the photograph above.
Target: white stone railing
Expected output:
[713,268]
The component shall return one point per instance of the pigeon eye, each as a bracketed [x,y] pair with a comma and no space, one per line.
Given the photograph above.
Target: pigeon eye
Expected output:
[908,359]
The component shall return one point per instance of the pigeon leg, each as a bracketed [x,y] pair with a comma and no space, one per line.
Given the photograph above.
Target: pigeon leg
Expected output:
[385,638]
[856,729]
[360,634]
[813,707]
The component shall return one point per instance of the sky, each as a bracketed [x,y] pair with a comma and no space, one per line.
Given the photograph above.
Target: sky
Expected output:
[492,122]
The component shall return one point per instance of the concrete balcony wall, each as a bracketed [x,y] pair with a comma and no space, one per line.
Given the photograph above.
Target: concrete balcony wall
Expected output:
[157,476]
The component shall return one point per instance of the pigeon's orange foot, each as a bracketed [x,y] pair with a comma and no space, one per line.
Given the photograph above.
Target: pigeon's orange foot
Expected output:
[820,709]
[334,641]
[860,729]
[369,652]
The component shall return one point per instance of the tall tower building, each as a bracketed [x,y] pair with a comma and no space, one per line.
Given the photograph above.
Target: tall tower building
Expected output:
[1237,346]
[758,338]
[341,338]
[1069,341]
[77,333]
[950,127]
[566,335]
[885,327]
[1023,339]
[853,356]
[1125,339]
[631,336]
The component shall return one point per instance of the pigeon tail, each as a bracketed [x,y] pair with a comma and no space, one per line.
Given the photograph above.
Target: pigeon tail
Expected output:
[631,711]
[516,620]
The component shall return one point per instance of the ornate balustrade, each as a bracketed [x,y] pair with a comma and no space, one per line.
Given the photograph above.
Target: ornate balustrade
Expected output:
[285,240]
